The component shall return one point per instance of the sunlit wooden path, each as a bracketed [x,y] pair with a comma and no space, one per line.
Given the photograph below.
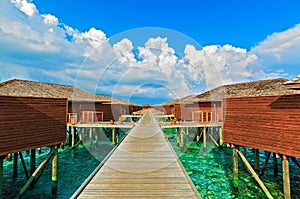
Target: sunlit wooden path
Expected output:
[143,166]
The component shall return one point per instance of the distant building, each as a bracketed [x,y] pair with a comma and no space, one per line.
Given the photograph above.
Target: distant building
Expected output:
[87,107]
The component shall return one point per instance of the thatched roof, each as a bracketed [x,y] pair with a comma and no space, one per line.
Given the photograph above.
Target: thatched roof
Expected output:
[144,110]
[293,84]
[246,89]
[25,88]
[183,100]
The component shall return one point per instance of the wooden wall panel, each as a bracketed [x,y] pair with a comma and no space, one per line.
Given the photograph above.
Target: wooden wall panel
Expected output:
[27,123]
[270,123]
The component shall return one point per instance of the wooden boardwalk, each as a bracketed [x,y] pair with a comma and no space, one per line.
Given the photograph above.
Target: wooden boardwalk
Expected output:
[143,166]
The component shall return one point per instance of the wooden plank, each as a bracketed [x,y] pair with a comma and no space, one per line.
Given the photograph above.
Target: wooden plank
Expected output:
[143,166]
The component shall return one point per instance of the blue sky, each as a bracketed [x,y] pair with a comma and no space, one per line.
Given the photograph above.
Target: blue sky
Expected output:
[149,51]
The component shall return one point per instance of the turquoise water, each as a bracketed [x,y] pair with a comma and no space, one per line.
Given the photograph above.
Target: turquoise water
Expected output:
[210,170]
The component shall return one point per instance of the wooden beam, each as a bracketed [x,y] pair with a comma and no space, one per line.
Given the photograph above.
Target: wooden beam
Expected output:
[255,176]
[286,177]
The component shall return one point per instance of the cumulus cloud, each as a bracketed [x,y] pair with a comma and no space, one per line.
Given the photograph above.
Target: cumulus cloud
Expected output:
[50,20]
[26,7]
[39,46]
[124,52]
[217,65]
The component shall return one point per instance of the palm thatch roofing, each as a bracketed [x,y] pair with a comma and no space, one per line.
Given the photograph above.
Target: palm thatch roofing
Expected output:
[26,88]
[294,83]
[268,87]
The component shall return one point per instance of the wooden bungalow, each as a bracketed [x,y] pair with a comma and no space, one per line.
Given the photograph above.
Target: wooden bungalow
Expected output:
[267,119]
[28,123]
[208,106]
[83,106]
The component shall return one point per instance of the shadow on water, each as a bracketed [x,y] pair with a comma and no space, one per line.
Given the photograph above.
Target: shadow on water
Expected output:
[211,171]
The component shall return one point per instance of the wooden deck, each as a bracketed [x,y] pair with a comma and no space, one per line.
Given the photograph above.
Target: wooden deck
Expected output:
[143,166]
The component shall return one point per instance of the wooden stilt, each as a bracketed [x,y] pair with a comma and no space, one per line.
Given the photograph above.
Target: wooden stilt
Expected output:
[177,137]
[187,130]
[91,138]
[198,135]
[32,161]
[39,150]
[220,137]
[204,138]
[8,157]
[117,135]
[70,135]
[275,163]
[42,165]
[235,169]
[24,165]
[73,136]
[265,165]
[214,140]
[113,135]
[181,139]
[54,170]
[1,176]
[255,176]
[256,156]
[286,177]
[15,167]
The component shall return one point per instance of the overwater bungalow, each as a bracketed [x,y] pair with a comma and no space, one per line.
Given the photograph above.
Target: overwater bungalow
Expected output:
[83,106]
[208,106]
[264,118]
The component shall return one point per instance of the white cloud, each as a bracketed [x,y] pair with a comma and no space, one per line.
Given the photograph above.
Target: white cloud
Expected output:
[50,20]
[280,48]
[217,65]
[124,52]
[38,46]
[26,7]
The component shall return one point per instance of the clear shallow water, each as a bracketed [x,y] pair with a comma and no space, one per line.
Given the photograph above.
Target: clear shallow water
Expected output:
[211,172]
